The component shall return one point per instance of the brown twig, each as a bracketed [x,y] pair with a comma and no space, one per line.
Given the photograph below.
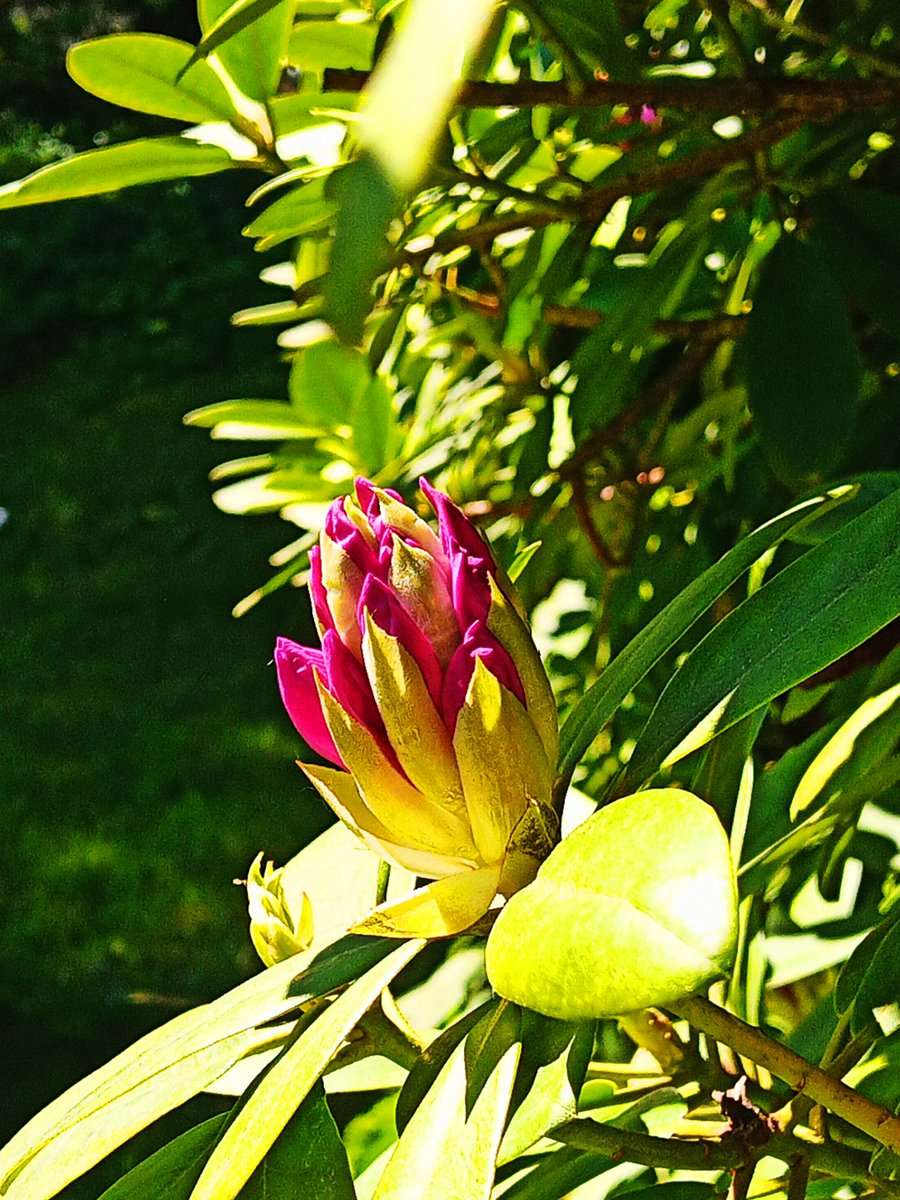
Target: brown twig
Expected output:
[669,383]
[598,201]
[812,97]
[704,329]
[589,528]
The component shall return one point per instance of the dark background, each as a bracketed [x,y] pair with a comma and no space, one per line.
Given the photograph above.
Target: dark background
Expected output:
[144,756]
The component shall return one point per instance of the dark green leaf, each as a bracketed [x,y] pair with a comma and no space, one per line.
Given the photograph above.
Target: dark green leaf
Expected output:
[449,1148]
[812,613]
[555,1056]
[368,203]
[629,667]
[859,232]
[170,1173]
[431,1063]
[801,364]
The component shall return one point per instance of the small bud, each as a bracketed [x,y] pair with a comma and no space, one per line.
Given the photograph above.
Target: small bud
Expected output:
[279,926]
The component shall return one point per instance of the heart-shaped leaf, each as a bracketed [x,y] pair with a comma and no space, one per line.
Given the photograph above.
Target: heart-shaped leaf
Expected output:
[636,907]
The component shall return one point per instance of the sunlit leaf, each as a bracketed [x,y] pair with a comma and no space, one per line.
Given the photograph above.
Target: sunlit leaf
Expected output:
[148,160]
[626,913]
[138,70]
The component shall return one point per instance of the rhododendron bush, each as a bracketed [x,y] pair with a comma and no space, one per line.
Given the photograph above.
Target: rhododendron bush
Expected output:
[589,453]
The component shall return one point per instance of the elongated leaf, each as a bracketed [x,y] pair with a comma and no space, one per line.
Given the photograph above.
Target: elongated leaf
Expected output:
[190,1048]
[449,1148]
[89,1139]
[558,1174]
[303,210]
[289,1080]
[432,1061]
[252,419]
[600,702]
[138,70]
[250,38]
[148,160]
[816,610]
[880,983]
[801,364]
[170,1173]
[555,1055]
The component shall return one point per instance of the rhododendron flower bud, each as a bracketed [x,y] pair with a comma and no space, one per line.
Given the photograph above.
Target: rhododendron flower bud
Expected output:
[429,697]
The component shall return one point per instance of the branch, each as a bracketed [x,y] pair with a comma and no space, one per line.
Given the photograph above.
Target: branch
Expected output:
[598,201]
[750,1042]
[812,97]
[729,1154]
[703,329]
[806,34]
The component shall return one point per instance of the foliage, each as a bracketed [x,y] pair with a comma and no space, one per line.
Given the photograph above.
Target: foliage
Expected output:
[620,293]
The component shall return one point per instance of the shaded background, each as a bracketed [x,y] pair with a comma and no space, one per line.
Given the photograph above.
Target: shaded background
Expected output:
[144,756]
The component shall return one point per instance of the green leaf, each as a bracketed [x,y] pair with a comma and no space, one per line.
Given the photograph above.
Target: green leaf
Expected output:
[557,1175]
[555,1056]
[874,969]
[859,232]
[629,667]
[302,210]
[375,431]
[341,45]
[368,203]
[252,420]
[636,908]
[250,38]
[449,1148]
[309,1151]
[170,1173]
[167,1067]
[801,364]
[814,611]
[607,362]
[327,384]
[282,1089]
[430,1064]
[138,70]
[148,160]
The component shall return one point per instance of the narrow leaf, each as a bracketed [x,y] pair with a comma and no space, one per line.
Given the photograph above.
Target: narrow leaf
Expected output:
[170,1173]
[801,364]
[814,611]
[289,1080]
[148,160]
[600,702]
[449,1148]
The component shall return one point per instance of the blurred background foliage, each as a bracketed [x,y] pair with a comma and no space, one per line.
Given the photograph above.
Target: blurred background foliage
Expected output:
[145,756]
[626,315]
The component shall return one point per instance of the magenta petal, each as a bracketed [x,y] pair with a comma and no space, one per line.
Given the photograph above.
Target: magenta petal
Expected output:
[471,563]
[295,665]
[368,502]
[349,684]
[342,531]
[478,642]
[317,592]
[388,613]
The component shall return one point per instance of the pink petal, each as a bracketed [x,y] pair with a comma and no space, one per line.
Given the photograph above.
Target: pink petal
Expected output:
[471,563]
[342,530]
[389,615]
[295,665]
[317,591]
[478,642]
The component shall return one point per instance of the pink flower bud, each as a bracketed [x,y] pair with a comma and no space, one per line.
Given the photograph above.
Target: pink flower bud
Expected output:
[430,697]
